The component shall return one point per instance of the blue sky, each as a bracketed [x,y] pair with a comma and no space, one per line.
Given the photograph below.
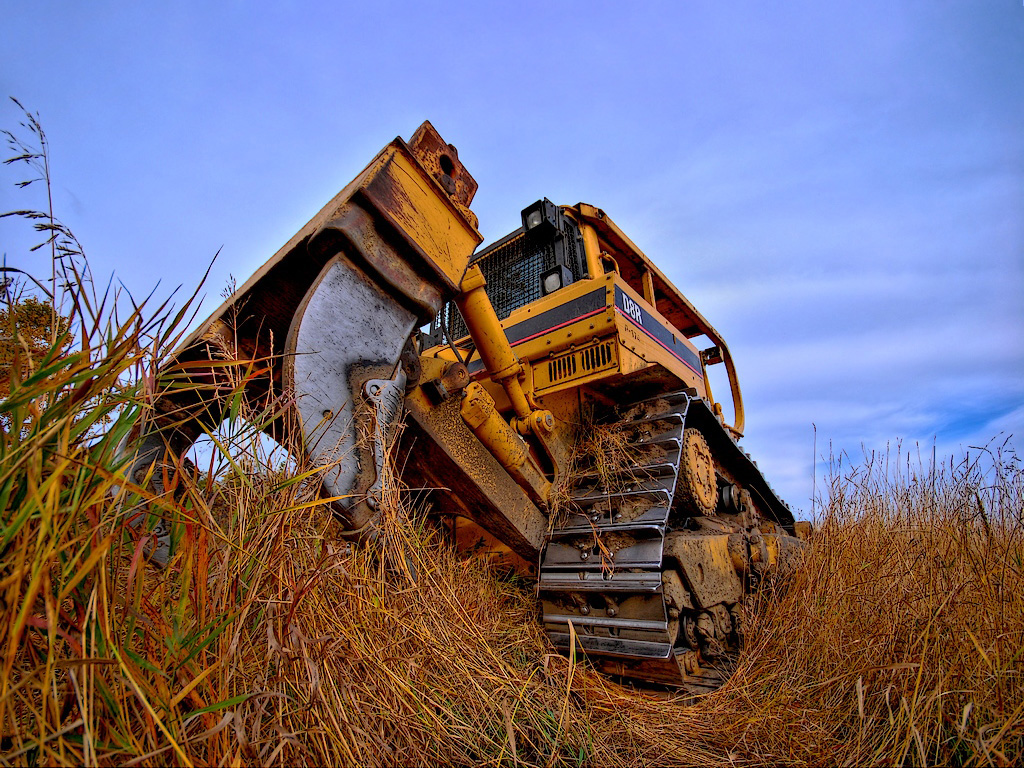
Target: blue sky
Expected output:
[838,186]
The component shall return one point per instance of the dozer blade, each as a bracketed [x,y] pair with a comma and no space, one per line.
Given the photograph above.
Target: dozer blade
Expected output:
[328,317]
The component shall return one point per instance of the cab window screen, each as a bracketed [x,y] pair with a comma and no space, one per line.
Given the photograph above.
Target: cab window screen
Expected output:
[512,270]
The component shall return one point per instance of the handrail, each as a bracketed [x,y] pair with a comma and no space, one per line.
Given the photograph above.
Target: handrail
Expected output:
[610,232]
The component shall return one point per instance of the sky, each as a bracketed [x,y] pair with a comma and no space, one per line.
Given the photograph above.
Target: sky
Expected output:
[838,187]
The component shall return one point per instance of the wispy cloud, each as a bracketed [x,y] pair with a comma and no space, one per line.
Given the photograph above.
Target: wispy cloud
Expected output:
[838,186]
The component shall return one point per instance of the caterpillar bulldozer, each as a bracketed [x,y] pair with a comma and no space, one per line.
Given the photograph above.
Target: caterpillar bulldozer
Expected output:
[501,364]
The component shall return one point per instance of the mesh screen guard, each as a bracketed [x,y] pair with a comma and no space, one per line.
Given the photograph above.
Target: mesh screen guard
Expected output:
[512,268]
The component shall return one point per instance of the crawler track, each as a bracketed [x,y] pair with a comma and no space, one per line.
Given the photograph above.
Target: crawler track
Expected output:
[605,576]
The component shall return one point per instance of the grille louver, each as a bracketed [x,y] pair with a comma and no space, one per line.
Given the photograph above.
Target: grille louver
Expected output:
[580,363]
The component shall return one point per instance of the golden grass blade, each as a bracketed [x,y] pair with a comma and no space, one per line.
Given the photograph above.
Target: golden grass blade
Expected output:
[149,709]
[180,696]
[86,568]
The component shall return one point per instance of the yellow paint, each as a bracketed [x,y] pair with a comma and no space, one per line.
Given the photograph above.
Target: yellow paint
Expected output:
[405,194]
[516,378]
[505,445]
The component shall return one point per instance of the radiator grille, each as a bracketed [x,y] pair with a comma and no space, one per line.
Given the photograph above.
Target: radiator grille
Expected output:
[578,364]
[596,357]
[562,368]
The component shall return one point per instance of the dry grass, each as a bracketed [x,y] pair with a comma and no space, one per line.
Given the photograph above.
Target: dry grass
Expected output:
[600,450]
[268,641]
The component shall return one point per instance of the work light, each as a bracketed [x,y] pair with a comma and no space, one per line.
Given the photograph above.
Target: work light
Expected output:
[554,278]
[542,216]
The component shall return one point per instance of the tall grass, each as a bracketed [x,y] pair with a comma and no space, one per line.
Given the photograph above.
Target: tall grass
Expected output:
[899,641]
[269,640]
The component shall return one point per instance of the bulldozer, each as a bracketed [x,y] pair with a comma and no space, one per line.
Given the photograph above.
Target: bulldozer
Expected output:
[500,364]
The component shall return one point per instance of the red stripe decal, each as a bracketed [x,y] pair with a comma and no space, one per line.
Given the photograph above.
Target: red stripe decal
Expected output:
[560,325]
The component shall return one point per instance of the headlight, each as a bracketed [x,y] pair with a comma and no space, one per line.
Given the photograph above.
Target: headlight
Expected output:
[555,278]
[540,217]
[552,282]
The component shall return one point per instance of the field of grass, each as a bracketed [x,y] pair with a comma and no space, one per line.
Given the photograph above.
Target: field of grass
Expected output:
[269,641]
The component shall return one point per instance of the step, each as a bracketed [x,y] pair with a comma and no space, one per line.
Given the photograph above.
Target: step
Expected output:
[673,416]
[596,581]
[674,435]
[652,521]
[653,489]
[679,397]
[634,472]
[592,622]
[612,646]
[644,553]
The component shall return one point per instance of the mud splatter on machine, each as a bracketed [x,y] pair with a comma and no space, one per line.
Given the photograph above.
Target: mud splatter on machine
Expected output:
[560,323]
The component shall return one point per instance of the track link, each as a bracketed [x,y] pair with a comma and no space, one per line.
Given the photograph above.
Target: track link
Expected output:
[605,578]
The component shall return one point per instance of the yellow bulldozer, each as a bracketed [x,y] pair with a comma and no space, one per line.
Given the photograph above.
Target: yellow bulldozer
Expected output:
[503,365]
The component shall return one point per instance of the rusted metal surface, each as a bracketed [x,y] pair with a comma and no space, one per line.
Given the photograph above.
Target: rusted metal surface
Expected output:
[441,161]
[697,482]
[261,310]
[707,566]
[347,290]
[441,454]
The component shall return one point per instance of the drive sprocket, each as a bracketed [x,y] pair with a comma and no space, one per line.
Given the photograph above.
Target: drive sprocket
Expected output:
[697,487]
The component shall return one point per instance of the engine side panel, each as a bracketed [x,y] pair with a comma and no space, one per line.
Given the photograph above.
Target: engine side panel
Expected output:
[589,333]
